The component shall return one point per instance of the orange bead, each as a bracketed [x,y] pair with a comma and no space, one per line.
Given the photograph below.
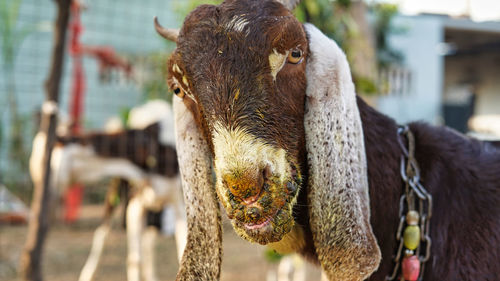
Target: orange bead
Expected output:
[412,218]
[411,268]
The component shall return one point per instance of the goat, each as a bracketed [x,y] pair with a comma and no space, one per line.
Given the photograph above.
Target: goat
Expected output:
[144,157]
[304,165]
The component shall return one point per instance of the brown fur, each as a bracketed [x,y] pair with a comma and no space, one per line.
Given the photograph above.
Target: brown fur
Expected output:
[215,85]
[224,75]
[244,95]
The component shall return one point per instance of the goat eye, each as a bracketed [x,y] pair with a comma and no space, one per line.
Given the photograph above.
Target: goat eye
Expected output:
[295,56]
[178,92]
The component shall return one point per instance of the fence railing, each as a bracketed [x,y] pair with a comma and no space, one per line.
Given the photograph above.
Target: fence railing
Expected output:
[395,81]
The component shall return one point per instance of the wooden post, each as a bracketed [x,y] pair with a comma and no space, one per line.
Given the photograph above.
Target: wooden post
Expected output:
[30,267]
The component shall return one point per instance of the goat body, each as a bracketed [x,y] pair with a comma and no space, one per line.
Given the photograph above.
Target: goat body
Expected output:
[304,165]
[461,173]
[141,158]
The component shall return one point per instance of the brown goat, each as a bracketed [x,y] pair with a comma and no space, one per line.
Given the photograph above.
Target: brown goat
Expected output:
[304,165]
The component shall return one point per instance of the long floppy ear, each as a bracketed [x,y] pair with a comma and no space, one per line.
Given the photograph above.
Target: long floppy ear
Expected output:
[203,254]
[338,184]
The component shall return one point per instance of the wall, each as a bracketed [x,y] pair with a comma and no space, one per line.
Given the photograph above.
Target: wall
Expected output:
[419,41]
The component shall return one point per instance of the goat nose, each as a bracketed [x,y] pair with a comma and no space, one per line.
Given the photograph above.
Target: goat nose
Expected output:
[246,186]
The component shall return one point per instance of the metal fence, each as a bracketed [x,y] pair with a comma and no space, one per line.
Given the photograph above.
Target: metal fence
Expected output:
[126,26]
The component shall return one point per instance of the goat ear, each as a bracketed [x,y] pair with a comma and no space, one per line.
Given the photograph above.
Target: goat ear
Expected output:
[290,4]
[203,253]
[338,183]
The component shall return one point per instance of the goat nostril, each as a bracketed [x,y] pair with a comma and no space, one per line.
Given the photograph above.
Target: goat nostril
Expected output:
[254,213]
[246,187]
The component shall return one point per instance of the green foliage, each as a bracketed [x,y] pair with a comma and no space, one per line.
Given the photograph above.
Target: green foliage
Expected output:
[15,174]
[343,3]
[124,113]
[272,256]
[384,13]
[12,36]
[317,12]
[365,85]
[328,16]
[333,19]
[183,7]
[152,67]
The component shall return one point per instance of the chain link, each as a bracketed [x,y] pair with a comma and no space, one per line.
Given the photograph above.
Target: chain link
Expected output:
[414,195]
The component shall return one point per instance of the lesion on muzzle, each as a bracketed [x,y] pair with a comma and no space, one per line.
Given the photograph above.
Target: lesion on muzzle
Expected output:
[245,185]
[258,190]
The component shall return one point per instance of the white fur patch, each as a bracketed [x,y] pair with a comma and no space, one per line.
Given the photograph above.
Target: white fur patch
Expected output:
[149,236]
[276,62]
[237,23]
[36,158]
[160,192]
[90,266]
[177,69]
[114,124]
[49,107]
[78,163]
[135,226]
[237,150]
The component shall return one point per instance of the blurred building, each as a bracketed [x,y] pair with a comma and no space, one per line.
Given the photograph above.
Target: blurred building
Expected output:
[450,71]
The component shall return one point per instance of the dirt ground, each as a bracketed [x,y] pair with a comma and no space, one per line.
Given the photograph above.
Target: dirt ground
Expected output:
[68,246]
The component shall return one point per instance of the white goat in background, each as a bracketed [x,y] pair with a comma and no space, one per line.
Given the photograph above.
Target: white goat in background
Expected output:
[78,160]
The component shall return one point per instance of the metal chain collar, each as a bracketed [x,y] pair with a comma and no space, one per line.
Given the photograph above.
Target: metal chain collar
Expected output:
[415,198]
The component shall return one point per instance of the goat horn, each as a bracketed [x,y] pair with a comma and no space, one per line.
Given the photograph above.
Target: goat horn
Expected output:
[167,33]
[290,4]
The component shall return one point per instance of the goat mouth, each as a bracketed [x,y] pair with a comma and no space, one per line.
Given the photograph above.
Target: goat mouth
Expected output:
[252,226]
[272,229]
[267,216]
[266,221]
[274,223]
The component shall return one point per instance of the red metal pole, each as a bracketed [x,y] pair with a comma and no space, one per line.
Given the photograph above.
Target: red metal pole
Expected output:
[74,193]
[78,88]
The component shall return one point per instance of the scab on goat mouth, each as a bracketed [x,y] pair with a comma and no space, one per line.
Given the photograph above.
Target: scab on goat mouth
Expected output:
[276,221]
[257,226]
[270,230]
[267,216]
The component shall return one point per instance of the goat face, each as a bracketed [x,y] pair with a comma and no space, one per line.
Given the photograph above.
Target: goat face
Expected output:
[240,69]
